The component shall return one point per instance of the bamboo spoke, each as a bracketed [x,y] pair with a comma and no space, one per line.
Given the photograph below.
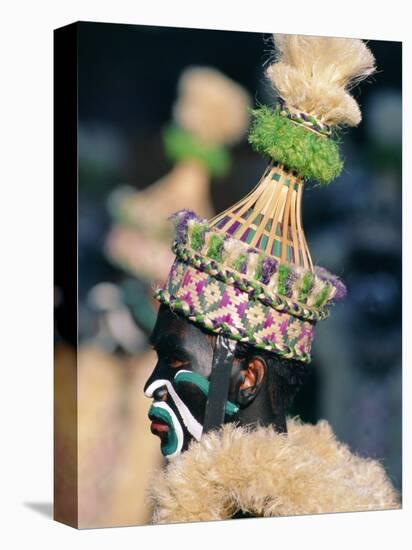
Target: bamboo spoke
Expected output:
[274,203]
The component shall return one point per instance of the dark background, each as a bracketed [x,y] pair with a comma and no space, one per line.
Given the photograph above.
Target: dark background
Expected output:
[127,85]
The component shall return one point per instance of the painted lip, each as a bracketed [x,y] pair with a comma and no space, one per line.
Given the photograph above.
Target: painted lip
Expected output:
[158,427]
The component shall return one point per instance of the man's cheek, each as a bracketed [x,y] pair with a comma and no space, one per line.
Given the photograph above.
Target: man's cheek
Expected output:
[194,398]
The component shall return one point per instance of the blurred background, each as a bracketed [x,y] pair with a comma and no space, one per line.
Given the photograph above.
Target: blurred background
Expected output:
[129,91]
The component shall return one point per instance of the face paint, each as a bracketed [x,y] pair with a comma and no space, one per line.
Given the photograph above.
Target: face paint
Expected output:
[180,382]
[173,425]
[192,425]
[172,443]
[203,384]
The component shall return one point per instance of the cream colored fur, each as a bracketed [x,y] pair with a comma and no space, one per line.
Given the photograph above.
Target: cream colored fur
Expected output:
[263,473]
[313,74]
[211,106]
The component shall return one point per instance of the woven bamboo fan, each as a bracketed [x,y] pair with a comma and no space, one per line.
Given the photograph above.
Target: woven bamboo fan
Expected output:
[269,218]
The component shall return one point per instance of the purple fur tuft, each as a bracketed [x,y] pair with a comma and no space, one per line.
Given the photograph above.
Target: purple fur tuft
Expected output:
[269,267]
[291,278]
[334,280]
[180,220]
[243,267]
[340,289]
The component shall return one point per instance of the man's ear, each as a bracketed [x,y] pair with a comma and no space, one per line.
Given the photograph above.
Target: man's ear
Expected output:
[251,379]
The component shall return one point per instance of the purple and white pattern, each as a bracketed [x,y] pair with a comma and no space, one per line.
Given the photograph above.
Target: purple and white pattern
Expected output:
[221,307]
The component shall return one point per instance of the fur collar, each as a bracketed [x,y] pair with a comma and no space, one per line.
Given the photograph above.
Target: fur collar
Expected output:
[262,473]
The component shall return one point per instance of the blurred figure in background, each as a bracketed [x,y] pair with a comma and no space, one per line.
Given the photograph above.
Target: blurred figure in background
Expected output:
[117,453]
[210,113]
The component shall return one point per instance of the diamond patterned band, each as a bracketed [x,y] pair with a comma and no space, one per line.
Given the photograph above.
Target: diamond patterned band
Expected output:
[220,307]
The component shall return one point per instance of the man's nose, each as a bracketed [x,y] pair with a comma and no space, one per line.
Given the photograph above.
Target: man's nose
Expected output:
[155,381]
[160,394]
[156,389]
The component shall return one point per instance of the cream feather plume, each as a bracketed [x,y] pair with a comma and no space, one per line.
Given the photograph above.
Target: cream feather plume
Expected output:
[314,74]
[211,106]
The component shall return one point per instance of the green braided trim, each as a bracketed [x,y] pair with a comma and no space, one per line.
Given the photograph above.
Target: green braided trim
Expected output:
[175,304]
[180,145]
[254,289]
[296,148]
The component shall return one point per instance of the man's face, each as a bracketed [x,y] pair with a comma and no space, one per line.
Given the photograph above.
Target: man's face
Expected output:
[179,383]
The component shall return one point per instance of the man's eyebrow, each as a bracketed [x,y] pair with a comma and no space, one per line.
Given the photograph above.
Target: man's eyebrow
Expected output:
[167,343]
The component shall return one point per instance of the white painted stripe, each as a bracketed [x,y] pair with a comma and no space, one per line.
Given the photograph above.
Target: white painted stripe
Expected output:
[193,426]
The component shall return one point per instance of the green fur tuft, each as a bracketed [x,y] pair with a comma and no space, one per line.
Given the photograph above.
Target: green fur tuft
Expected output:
[198,236]
[239,262]
[180,145]
[306,287]
[259,267]
[215,247]
[296,148]
[284,271]
[323,295]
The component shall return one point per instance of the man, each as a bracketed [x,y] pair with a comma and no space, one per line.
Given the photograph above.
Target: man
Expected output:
[262,385]
[236,324]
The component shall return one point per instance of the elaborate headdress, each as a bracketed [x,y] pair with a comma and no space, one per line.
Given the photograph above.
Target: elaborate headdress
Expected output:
[248,273]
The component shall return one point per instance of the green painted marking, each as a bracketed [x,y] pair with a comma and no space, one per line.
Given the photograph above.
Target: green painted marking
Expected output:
[170,445]
[203,385]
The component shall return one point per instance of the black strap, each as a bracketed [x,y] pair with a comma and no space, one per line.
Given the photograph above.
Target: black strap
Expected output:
[219,383]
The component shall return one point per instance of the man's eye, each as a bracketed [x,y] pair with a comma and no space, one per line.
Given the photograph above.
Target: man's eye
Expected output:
[175,363]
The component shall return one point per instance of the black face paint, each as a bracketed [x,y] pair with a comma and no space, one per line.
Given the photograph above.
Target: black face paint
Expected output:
[179,384]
